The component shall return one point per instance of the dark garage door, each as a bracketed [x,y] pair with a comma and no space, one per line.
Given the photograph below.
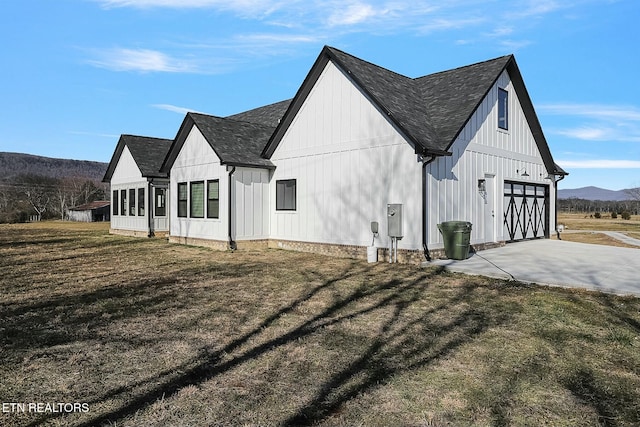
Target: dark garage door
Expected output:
[526,211]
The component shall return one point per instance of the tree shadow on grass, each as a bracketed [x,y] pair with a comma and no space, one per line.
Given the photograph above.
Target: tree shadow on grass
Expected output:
[406,340]
[612,395]
[584,386]
[400,346]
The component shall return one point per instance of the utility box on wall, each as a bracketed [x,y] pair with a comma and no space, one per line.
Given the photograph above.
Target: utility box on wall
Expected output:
[394,220]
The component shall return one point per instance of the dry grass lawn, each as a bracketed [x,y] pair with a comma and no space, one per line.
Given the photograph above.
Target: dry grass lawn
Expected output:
[583,228]
[153,334]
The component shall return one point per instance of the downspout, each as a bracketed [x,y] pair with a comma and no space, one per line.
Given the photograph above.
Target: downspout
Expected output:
[150,209]
[425,248]
[232,243]
[555,185]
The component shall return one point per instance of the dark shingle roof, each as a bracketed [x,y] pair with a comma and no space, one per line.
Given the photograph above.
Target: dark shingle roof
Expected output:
[429,111]
[147,152]
[396,95]
[236,143]
[451,97]
[269,115]
[91,205]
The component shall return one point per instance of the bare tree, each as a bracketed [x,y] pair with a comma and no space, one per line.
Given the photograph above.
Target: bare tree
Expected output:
[38,192]
[634,193]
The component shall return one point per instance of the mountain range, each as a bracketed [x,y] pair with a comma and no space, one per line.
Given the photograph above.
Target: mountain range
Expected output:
[594,193]
[15,164]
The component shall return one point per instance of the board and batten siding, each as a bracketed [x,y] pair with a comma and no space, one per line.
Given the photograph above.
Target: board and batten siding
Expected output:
[126,176]
[349,162]
[198,162]
[250,196]
[483,151]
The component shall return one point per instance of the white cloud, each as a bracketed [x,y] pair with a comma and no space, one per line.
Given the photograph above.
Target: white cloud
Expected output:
[175,109]
[586,133]
[536,8]
[352,14]
[596,111]
[280,26]
[514,45]
[143,60]
[249,7]
[276,39]
[443,24]
[599,164]
[601,122]
[101,135]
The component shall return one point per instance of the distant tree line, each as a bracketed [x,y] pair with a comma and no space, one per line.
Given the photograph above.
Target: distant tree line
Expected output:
[30,196]
[600,207]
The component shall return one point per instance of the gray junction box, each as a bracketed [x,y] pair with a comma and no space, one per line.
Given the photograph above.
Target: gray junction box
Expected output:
[394,220]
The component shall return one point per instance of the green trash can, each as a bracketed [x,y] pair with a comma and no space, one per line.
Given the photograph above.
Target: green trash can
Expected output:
[456,235]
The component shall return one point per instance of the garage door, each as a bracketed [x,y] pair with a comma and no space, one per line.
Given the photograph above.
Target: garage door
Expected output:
[526,211]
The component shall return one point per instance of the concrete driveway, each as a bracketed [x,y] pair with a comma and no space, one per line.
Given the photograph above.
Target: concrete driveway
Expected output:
[559,263]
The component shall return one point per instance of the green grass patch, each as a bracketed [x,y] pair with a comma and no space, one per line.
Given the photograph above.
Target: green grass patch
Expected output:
[155,334]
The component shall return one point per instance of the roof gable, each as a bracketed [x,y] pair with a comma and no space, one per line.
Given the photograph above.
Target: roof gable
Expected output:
[147,152]
[236,143]
[451,97]
[429,111]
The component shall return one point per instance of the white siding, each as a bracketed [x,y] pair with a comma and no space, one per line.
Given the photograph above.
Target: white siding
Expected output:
[198,162]
[80,216]
[349,163]
[251,201]
[482,151]
[127,175]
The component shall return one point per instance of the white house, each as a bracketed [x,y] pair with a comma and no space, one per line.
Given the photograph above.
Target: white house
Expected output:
[139,191]
[463,144]
[357,140]
[219,180]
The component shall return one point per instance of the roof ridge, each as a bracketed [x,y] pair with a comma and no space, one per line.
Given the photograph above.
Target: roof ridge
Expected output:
[330,48]
[262,106]
[465,66]
[228,118]
[125,135]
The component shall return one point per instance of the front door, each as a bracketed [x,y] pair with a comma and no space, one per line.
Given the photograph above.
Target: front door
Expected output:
[490,208]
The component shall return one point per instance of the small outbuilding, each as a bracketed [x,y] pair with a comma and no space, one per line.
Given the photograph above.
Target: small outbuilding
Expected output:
[97,211]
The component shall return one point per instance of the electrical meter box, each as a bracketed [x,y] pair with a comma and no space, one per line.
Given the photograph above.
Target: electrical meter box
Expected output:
[394,219]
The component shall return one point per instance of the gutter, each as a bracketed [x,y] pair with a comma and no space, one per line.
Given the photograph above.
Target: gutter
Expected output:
[232,243]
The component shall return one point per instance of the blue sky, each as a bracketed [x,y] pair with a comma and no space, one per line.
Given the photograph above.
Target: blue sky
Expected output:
[76,74]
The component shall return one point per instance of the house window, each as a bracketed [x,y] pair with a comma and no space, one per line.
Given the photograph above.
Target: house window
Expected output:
[132,201]
[213,199]
[286,195]
[197,200]
[182,199]
[503,109]
[123,202]
[161,201]
[141,200]
[114,202]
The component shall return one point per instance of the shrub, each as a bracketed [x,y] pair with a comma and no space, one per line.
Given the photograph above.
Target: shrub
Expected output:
[614,215]
[626,215]
[597,215]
